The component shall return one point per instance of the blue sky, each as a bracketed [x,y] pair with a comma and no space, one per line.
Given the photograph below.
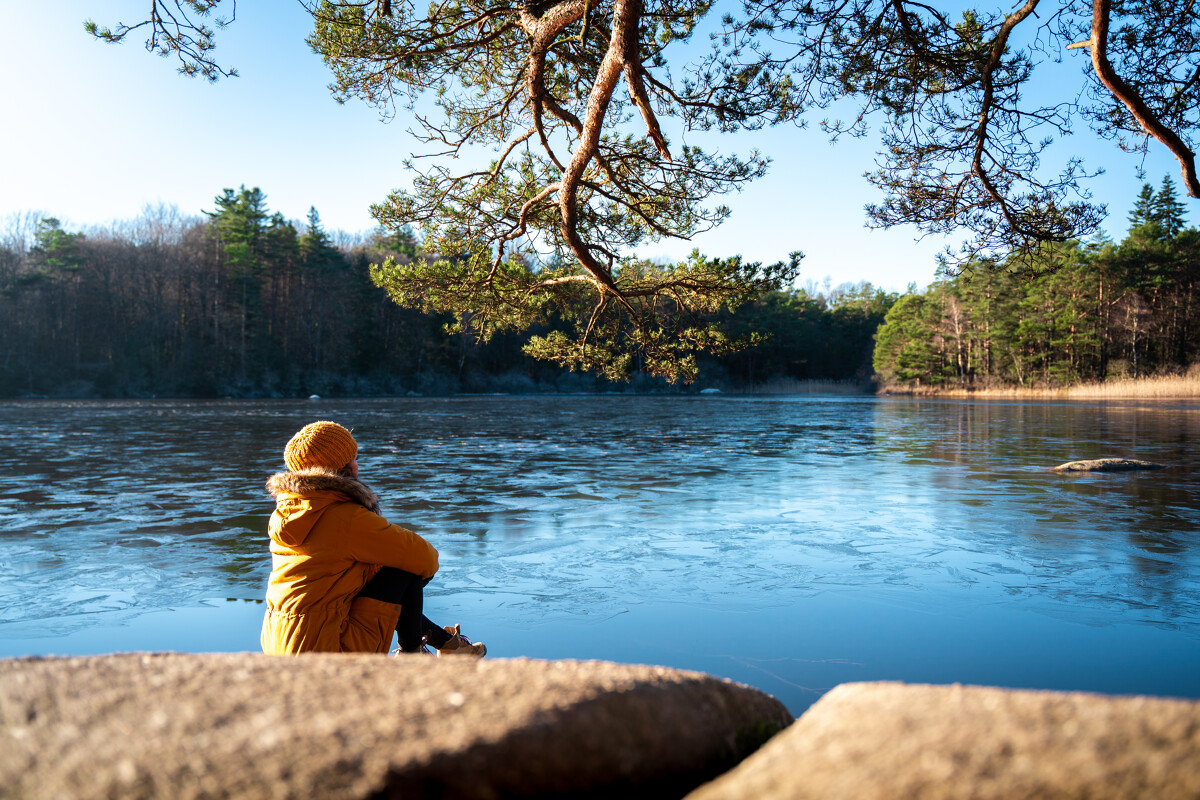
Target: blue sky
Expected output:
[94,132]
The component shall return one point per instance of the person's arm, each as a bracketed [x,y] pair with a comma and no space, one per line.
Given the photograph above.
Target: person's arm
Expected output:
[372,539]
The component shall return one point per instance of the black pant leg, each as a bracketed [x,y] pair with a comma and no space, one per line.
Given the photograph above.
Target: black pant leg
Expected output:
[435,634]
[409,630]
[407,590]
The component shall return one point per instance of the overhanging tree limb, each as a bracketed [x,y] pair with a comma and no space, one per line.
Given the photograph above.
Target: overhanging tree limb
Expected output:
[580,175]
[987,107]
[1098,44]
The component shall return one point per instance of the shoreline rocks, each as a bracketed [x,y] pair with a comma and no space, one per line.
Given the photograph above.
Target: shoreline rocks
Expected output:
[894,741]
[345,727]
[357,726]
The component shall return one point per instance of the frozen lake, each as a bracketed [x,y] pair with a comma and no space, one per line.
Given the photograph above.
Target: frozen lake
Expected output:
[792,543]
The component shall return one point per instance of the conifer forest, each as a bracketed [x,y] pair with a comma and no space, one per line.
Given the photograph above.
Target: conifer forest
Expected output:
[1074,312]
[241,302]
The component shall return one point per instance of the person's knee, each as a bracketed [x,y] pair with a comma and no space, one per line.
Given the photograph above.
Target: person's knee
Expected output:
[391,585]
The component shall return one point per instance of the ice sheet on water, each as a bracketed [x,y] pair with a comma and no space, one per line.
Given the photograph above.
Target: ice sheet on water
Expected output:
[600,510]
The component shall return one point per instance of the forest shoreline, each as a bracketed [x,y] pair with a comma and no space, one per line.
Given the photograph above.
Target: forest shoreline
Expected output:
[1164,387]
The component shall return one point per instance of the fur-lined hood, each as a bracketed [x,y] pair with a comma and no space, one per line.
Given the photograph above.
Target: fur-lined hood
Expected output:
[307,481]
[302,498]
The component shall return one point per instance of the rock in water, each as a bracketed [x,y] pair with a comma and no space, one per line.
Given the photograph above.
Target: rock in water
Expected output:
[241,725]
[1106,465]
[891,741]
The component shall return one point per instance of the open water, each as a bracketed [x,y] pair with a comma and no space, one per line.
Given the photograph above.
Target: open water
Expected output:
[792,543]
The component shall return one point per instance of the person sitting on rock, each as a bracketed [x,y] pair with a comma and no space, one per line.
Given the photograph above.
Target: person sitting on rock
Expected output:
[343,578]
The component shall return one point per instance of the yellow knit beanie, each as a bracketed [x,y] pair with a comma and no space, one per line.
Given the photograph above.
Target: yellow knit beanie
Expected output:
[320,444]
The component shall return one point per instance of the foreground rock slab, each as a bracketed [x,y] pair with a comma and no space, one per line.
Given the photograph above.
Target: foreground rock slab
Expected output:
[1106,465]
[887,741]
[358,726]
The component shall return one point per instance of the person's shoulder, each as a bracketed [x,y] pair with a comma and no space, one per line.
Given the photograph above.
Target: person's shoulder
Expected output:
[319,482]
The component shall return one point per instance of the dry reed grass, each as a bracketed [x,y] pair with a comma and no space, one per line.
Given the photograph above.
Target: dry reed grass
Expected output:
[1160,387]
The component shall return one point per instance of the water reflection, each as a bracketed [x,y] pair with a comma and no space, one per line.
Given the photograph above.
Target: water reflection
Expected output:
[1124,539]
[810,540]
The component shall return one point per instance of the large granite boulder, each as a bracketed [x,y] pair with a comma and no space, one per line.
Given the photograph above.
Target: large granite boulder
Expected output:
[890,741]
[1107,465]
[359,726]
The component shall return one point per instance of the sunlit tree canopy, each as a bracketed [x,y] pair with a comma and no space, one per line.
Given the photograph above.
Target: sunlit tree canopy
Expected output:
[564,110]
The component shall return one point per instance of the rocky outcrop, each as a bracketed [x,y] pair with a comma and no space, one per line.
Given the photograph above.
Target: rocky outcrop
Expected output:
[366,726]
[888,741]
[1106,465]
[359,726]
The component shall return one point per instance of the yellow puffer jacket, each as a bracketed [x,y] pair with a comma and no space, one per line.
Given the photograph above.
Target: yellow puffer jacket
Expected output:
[327,541]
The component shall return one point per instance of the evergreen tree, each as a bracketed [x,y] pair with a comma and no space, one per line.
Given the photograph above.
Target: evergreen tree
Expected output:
[321,263]
[991,295]
[402,244]
[57,260]
[1167,210]
[1144,209]
[239,223]
[907,345]
[282,291]
[55,251]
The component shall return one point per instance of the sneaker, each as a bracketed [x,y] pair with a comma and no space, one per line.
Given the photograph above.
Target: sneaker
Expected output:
[460,645]
[425,650]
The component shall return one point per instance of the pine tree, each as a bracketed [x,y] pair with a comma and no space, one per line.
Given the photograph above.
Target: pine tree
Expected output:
[906,344]
[1167,210]
[281,267]
[57,261]
[54,250]
[1073,344]
[315,238]
[320,261]
[991,294]
[239,223]
[1144,211]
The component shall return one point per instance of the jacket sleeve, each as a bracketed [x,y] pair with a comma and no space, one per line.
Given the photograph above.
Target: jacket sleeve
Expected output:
[373,540]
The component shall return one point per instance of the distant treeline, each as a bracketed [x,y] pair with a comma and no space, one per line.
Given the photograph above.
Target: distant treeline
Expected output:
[1077,312]
[243,303]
